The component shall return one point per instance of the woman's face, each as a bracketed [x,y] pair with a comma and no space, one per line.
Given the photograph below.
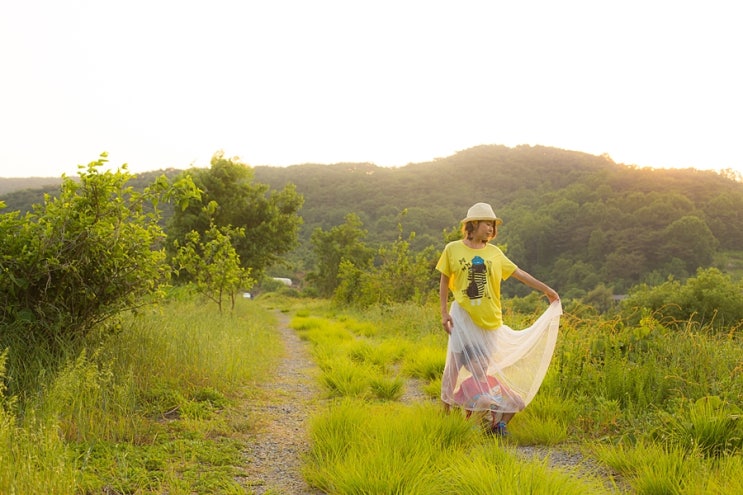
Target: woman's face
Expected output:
[485,230]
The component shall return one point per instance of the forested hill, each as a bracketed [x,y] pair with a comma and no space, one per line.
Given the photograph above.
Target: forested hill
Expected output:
[437,194]
[569,216]
[566,213]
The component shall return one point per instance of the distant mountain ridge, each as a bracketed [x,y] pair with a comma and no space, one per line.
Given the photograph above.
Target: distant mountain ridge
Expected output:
[11,184]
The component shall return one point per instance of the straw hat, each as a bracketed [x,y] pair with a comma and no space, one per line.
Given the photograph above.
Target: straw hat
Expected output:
[481,211]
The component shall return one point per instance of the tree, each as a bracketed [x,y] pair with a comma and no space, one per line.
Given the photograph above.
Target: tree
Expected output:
[341,243]
[82,257]
[397,275]
[724,215]
[601,298]
[688,239]
[269,219]
[213,263]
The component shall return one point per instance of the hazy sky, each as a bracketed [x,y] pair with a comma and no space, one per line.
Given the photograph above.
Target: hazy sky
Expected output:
[277,82]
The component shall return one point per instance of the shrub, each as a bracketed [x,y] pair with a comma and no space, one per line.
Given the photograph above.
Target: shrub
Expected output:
[710,299]
[83,257]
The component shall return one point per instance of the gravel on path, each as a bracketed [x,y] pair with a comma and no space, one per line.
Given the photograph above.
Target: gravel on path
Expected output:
[281,440]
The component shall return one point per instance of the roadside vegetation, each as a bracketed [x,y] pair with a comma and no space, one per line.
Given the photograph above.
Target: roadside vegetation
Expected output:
[154,408]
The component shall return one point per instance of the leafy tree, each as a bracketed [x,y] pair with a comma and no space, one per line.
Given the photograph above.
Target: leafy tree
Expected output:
[82,257]
[268,218]
[601,298]
[213,263]
[724,214]
[624,268]
[398,275]
[689,239]
[341,243]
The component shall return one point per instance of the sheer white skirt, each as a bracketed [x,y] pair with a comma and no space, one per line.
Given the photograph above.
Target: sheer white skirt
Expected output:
[497,370]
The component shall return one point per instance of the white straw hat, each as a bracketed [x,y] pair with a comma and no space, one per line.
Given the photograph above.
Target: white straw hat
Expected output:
[481,211]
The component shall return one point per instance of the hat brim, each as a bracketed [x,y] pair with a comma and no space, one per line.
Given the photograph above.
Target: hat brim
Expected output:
[497,221]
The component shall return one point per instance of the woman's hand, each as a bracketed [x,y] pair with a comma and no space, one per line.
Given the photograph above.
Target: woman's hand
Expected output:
[447,322]
[552,295]
[532,282]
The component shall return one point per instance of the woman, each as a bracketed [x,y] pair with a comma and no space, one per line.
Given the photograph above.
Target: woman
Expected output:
[472,269]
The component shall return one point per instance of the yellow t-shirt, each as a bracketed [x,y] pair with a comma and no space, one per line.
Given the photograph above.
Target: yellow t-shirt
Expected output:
[474,279]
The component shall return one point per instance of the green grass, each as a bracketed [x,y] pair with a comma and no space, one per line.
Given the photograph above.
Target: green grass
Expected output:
[360,447]
[659,408]
[156,407]
[147,410]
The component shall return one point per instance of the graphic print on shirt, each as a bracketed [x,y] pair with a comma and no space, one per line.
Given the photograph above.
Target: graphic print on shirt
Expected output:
[477,276]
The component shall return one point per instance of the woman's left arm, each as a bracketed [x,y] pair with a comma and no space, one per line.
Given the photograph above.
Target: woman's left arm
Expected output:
[532,282]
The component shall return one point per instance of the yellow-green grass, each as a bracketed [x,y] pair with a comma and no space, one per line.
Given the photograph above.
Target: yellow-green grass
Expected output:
[360,447]
[146,410]
[609,384]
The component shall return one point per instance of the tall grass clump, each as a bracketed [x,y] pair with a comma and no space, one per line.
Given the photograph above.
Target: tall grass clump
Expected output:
[351,366]
[655,469]
[89,402]
[410,321]
[145,410]
[546,421]
[186,346]
[709,425]
[33,457]
[359,447]
[425,362]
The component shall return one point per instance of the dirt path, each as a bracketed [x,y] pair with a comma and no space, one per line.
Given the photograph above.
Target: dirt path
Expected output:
[276,451]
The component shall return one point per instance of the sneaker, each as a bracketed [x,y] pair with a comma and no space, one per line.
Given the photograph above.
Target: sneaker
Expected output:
[499,429]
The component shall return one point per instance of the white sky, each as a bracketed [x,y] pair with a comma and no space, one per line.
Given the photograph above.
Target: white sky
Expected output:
[161,83]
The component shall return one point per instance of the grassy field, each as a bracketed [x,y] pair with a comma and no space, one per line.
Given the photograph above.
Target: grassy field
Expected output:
[152,409]
[657,410]
[158,407]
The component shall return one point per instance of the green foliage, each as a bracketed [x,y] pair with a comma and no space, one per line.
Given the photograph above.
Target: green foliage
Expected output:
[213,264]
[338,250]
[662,402]
[397,275]
[710,299]
[150,411]
[609,223]
[268,218]
[644,367]
[84,256]
[572,219]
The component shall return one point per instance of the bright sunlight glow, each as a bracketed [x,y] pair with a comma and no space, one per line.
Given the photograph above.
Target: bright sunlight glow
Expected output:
[165,83]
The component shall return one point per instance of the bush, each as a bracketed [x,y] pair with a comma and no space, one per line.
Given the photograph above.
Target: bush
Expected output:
[83,257]
[710,299]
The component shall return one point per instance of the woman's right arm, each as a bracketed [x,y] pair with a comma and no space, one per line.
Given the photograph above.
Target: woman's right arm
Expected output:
[444,300]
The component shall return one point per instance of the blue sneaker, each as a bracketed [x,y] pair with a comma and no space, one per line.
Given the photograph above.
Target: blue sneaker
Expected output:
[499,429]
